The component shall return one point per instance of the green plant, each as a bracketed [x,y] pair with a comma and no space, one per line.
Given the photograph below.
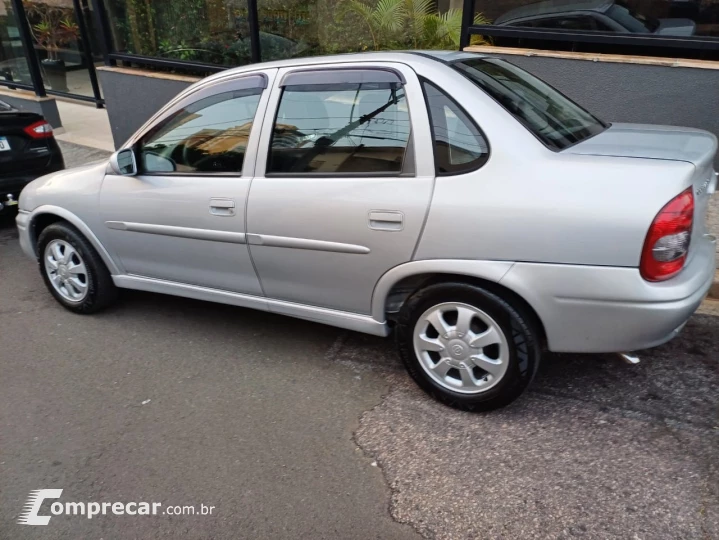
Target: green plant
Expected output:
[54,27]
[410,23]
[443,31]
[385,18]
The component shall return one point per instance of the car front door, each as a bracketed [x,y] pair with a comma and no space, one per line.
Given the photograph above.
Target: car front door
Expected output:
[182,217]
[343,182]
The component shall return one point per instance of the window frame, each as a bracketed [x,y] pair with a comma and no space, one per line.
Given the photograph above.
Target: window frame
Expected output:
[222,86]
[488,154]
[408,169]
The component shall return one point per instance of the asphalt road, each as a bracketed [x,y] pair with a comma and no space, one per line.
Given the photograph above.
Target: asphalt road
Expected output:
[297,430]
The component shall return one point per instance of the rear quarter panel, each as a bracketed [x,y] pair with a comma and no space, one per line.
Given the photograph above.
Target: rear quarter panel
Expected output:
[550,207]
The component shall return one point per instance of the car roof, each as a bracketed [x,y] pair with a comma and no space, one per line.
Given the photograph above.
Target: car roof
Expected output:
[550,7]
[404,57]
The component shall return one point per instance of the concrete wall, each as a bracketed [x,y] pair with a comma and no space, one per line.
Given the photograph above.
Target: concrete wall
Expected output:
[133,96]
[27,101]
[624,92]
[615,92]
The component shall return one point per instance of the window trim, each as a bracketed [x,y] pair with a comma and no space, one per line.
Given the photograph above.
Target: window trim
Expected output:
[381,75]
[234,85]
[407,171]
[488,154]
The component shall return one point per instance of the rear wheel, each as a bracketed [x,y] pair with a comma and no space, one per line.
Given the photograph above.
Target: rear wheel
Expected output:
[467,347]
[73,271]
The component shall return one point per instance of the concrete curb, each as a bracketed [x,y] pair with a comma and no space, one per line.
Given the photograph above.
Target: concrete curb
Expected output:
[714,290]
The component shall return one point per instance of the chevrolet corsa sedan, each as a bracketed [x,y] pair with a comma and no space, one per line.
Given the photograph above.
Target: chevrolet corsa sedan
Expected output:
[451,197]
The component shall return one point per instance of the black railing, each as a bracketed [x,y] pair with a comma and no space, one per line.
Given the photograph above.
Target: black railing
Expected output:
[600,38]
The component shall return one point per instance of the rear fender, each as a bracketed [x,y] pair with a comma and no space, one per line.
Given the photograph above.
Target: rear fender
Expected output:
[489,270]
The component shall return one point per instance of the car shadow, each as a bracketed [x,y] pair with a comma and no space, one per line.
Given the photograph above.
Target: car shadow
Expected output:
[674,382]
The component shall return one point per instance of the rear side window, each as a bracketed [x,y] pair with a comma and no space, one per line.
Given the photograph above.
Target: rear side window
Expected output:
[208,136]
[358,128]
[552,117]
[459,146]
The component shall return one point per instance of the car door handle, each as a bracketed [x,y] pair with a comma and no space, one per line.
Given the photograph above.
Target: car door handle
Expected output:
[222,207]
[383,220]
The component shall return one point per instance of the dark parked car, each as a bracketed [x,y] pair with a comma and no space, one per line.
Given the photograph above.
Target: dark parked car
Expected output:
[28,150]
[598,15]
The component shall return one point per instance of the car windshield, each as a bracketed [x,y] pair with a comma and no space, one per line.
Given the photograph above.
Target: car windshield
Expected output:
[553,118]
[631,21]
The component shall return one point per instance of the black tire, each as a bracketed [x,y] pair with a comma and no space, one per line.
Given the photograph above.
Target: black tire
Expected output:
[520,331]
[101,289]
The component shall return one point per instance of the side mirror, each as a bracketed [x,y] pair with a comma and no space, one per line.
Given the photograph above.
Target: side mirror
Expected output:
[123,162]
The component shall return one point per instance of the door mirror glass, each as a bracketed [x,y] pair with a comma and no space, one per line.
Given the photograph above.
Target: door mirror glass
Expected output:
[123,162]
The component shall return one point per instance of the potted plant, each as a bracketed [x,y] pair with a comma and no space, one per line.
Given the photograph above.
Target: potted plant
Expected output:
[53,29]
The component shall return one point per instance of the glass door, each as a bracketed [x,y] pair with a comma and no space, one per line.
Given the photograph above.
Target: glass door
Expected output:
[13,64]
[59,30]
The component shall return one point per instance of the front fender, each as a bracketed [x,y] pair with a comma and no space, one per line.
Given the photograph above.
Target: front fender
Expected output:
[76,222]
[490,270]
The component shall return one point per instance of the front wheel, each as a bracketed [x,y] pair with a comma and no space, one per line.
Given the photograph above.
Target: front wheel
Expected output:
[73,271]
[467,347]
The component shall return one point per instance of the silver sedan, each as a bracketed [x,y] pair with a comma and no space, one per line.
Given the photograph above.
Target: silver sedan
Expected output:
[449,197]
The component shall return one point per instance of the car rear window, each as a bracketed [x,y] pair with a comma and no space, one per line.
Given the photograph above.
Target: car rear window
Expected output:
[552,117]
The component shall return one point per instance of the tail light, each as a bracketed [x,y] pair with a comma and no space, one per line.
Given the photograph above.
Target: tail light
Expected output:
[39,130]
[667,243]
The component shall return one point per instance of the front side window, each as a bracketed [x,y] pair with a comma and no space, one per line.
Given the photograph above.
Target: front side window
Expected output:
[207,136]
[340,128]
[458,144]
[553,118]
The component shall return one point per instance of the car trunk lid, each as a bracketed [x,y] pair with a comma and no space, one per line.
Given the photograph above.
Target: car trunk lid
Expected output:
[663,143]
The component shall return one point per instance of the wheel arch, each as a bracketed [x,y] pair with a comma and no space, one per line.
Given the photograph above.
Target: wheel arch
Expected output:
[44,216]
[399,283]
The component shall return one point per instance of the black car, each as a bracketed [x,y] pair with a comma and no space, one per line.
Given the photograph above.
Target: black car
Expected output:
[597,15]
[28,150]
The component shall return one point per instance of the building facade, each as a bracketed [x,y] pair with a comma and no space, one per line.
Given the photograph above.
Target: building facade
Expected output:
[654,61]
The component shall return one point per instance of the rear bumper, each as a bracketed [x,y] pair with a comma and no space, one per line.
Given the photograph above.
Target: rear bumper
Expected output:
[592,309]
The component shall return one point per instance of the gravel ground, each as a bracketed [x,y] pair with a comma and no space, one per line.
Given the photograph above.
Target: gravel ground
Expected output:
[597,449]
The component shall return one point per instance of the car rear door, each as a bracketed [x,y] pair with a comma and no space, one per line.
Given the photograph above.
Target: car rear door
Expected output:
[343,182]
[182,218]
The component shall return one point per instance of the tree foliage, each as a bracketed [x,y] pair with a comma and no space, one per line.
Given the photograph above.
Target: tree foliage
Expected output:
[410,23]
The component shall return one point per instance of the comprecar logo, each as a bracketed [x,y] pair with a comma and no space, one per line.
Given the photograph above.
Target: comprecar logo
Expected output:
[90,509]
[32,506]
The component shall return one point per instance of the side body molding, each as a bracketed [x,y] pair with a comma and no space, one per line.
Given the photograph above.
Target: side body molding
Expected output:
[489,270]
[82,227]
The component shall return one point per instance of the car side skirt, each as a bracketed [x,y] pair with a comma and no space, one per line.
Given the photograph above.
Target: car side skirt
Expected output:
[340,319]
